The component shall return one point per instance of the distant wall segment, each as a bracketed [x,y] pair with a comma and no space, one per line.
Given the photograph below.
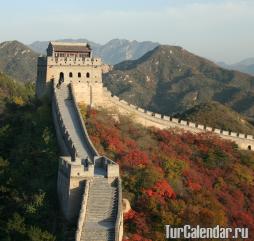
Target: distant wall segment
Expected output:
[98,96]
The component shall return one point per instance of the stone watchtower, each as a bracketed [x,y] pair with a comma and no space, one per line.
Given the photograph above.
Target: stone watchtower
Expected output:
[68,63]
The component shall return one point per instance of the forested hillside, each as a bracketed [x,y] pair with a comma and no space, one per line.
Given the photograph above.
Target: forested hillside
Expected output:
[170,80]
[11,90]
[218,116]
[175,178]
[18,61]
[28,168]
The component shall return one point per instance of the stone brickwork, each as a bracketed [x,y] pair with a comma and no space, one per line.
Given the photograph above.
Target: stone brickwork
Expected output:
[89,186]
[101,97]
[77,191]
[69,69]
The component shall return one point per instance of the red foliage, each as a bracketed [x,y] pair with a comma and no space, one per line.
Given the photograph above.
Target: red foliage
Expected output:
[91,112]
[129,215]
[194,186]
[209,169]
[161,189]
[140,222]
[136,237]
[135,158]
[245,219]
[112,139]
[131,144]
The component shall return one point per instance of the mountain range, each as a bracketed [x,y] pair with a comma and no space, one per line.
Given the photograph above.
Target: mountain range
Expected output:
[182,178]
[18,61]
[113,52]
[169,79]
[245,66]
[166,79]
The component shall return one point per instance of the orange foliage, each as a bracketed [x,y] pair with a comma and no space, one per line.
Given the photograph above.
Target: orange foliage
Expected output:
[205,171]
[135,158]
[137,237]
[161,189]
[129,215]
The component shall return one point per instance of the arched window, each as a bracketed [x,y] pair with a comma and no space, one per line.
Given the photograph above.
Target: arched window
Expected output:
[87,75]
[61,79]
[61,76]
[79,74]
[70,74]
[249,148]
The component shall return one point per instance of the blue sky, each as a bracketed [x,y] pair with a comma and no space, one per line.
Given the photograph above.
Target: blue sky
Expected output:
[216,29]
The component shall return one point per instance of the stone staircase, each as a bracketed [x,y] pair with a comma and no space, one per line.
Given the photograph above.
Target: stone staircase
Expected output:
[100,217]
[71,121]
[99,224]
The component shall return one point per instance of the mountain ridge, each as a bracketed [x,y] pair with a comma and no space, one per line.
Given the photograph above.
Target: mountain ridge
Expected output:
[174,80]
[218,116]
[245,66]
[112,52]
[18,61]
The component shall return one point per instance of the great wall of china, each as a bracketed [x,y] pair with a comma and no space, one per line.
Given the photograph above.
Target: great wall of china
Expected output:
[98,96]
[89,185]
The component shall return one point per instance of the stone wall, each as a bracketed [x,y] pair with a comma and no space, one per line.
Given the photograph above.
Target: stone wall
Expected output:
[74,172]
[119,219]
[82,212]
[74,70]
[101,97]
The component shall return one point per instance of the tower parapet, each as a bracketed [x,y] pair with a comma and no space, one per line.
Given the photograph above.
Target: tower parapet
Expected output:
[68,63]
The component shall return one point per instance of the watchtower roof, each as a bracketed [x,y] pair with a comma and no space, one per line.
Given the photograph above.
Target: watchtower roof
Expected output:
[70,47]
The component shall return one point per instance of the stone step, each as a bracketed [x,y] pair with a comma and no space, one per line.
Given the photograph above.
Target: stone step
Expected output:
[101,219]
[93,231]
[93,213]
[102,206]
[99,237]
[101,210]
[99,190]
[105,196]
[103,215]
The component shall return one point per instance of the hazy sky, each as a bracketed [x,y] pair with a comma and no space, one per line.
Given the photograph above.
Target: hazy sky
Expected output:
[216,29]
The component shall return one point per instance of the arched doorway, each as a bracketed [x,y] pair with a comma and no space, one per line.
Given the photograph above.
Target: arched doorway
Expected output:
[249,147]
[61,78]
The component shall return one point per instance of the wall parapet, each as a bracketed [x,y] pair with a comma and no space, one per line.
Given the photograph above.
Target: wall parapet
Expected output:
[179,123]
[62,127]
[82,213]
[119,219]
[90,145]
[75,169]
[73,61]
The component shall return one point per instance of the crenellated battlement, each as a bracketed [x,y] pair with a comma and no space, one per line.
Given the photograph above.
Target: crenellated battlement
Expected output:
[181,123]
[84,177]
[75,168]
[76,77]
[148,118]
[82,167]
[69,61]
